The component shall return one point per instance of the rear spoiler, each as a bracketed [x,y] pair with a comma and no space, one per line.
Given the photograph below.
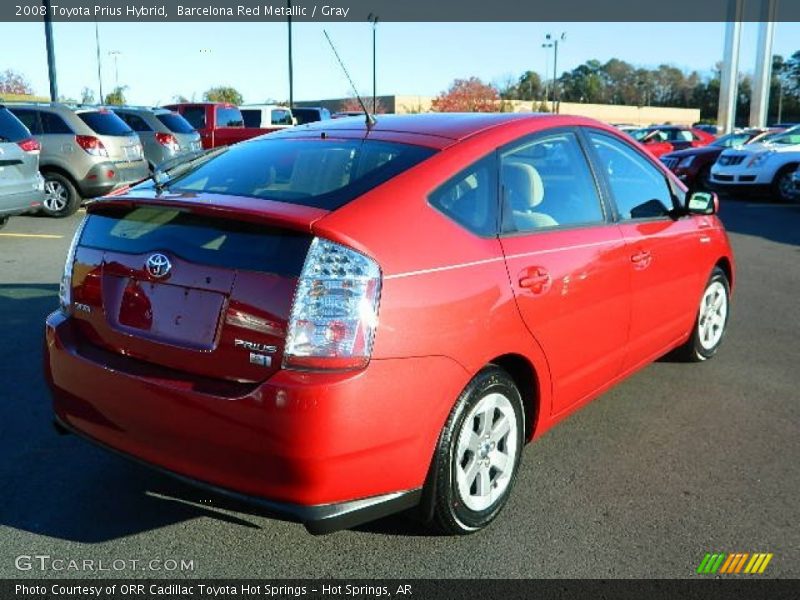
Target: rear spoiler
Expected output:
[236,208]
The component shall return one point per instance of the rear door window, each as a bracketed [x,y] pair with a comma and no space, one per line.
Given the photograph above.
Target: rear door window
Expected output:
[196,116]
[29,118]
[53,123]
[281,117]
[547,183]
[252,117]
[135,122]
[322,173]
[229,116]
[175,123]
[105,123]
[11,128]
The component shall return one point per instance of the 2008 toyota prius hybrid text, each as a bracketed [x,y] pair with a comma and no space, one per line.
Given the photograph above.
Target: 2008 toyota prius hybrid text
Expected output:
[348,319]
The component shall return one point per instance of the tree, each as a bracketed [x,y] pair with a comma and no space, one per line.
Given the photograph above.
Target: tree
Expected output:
[468,95]
[180,99]
[222,93]
[12,82]
[87,96]
[117,96]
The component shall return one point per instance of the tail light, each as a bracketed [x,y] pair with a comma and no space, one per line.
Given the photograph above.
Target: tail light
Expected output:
[65,286]
[335,310]
[92,145]
[168,141]
[30,145]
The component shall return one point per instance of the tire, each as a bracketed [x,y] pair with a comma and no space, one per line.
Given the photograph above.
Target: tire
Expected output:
[3,222]
[712,320]
[477,460]
[782,185]
[61,197]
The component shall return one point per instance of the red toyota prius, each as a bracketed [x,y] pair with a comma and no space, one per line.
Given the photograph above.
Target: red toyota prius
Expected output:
[344,320]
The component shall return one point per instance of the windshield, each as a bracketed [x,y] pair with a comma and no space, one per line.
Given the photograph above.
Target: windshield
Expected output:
[313,172]
[790,136]
[732,139]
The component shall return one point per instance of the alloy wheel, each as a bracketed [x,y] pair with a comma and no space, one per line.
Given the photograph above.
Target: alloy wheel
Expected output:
[713,315]
[56,195]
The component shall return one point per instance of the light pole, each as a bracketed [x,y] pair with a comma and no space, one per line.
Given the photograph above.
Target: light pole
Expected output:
[291,67]
[116,54]
[373,18]
[99,64]
[51,53]
[546,45]
[554,45]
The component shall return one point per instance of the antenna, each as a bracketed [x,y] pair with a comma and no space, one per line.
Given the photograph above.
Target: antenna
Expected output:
[370,119]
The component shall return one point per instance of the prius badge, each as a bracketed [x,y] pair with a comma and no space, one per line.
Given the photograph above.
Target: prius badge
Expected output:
[158,265]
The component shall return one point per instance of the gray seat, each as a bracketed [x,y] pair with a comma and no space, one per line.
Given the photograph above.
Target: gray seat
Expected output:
[524,191]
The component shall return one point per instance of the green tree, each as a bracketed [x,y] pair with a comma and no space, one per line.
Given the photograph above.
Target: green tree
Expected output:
[87,96]
[117,96]
[222,93]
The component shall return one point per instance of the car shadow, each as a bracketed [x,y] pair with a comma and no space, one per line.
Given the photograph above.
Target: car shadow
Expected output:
[762,217]
[62,487]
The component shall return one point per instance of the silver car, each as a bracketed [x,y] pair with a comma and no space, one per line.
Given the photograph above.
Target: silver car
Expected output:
[21,185]
[86,152]
[164,134]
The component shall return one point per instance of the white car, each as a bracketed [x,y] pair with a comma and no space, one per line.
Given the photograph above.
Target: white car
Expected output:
[764,167]
[267,116]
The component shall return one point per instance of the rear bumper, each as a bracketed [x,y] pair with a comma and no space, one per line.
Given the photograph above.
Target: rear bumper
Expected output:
[104,178]
[321,448]
[318,519]
[15,204]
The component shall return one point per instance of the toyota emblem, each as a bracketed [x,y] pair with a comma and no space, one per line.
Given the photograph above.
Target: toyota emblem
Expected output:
[158,265]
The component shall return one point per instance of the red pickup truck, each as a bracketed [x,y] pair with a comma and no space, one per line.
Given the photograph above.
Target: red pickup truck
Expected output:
[219,123]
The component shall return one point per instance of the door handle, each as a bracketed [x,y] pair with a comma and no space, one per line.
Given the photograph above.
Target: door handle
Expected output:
[535,279]
[641,259]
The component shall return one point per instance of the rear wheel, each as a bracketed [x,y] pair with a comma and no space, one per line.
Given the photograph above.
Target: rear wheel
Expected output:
[703,181]
[712,320]
[3,222]
[478,454]
[783,186]
[61,199]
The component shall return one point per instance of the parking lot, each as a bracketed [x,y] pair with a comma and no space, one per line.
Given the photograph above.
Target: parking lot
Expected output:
[677,461]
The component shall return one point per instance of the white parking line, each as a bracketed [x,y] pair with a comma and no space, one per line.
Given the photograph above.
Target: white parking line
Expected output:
[45,236]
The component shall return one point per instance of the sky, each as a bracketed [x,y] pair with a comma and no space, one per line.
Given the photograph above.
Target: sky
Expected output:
[160,60]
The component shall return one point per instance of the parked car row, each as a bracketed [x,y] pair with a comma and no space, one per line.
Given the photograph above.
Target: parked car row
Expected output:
[662,139]
[749,160]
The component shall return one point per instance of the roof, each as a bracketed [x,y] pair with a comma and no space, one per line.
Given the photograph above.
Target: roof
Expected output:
[454,126]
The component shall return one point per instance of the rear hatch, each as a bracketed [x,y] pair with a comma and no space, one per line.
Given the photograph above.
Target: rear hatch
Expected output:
[121,142]
[187,136]
[202,293]
[18,168]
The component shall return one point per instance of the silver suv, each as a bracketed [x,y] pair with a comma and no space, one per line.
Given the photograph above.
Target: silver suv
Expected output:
[164,134]
[86,152]
[21,185]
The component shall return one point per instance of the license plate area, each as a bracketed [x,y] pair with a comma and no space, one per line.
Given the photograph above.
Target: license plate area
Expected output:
[165,313]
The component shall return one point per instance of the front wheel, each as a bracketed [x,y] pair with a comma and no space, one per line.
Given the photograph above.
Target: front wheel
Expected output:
[478,454]
[783,186]
[712,319]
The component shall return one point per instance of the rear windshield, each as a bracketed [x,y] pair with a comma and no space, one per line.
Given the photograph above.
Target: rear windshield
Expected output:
[11,128]
[105,123]
[197,239]
[175,123]
[306,115]
[313,172]
[252,117]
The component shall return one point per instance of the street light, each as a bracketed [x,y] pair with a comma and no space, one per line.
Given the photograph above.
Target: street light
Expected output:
[373,18]
[546,45]
[552,42]
[116,54]
[99,64]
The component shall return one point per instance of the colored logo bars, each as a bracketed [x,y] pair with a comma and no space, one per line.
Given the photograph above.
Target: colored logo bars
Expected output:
[735,563]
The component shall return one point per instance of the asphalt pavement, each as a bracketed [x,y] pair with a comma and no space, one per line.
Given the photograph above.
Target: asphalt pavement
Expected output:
[675,462]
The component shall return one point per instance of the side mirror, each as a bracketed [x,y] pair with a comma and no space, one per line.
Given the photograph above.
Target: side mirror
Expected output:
[703,203]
